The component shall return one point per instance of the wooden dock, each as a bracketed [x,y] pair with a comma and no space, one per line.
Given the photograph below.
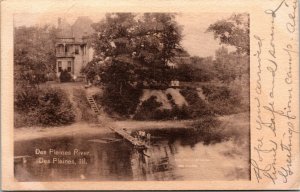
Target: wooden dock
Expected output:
[137,143]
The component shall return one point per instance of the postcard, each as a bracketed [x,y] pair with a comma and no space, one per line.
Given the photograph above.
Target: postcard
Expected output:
[150,95]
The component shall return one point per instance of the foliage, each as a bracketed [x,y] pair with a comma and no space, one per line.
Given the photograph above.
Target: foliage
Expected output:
[55,108]
[197,107]
[224,100]
[131,51]
[120,93]
[65,76]
[123,102]
[230,66]
[26,99]
[44,106]
[233,31]
[150,110]
[194,69]
[34,53]
[92,69]
[149,39]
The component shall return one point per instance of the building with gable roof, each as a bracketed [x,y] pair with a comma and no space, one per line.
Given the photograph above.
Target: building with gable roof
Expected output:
[73,51]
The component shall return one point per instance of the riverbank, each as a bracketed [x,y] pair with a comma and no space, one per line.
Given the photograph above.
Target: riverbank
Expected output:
[86,129]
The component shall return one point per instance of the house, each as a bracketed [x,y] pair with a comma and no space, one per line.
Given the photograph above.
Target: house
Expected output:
[73,50]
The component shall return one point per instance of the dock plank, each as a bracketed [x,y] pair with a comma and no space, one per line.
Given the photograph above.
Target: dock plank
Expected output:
[130,138]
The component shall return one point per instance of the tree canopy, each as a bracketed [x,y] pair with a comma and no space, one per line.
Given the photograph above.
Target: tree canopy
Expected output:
[131,51]
[147,42]
[34,52]
[233,31]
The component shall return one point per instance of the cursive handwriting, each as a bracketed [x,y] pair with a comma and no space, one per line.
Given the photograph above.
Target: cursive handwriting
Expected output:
[269,170]
[272,124]
[258,55]
[289,51]
[286,170]
[279,112]
[272,69]
[291,25]
[258,120]
[271,12]
[274,110]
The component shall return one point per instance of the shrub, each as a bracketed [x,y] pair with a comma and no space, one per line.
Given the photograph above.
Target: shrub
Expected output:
[197,107]
[26,99]
[148,109]
[50,107]
[55,108]
[25,119]
[65,76]
[124,102]
[224,100]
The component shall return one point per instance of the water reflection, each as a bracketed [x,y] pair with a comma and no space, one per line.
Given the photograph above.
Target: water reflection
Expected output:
[156,163]
[173,156]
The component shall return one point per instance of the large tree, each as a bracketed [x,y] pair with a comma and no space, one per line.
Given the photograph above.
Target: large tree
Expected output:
[34,53]
[147,42]
[233,31]
[132,50]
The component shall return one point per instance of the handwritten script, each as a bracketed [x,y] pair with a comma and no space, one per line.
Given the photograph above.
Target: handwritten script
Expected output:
[275,121]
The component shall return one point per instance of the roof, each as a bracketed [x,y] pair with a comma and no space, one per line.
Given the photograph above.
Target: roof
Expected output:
[81,28]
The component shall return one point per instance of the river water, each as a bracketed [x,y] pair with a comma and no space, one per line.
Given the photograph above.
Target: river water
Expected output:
[177,154]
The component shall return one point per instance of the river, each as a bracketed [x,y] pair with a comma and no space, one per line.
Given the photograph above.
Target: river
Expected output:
[175,154]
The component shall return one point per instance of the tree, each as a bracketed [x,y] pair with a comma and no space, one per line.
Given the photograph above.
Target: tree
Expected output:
[147,42]
[230,65]
[34,53]
[134,49]
[233,31]
[197,69]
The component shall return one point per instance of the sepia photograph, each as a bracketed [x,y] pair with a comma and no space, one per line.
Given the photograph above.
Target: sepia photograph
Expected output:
[149,95]
[124,96]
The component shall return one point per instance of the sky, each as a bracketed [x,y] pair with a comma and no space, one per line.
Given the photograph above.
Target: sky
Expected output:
[195,38]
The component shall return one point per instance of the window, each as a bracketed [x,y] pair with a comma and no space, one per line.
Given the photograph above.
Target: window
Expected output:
[69,66]
[84,50]
[59,67]
[60,50]
[76,50]
[66,49]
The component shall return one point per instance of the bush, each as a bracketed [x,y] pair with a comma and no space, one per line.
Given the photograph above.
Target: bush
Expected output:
[55,108]
[224,100]
[197,107]
[50,107]
[122,103]
[26,99]
[25,119]
[149,110]
[65,76]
